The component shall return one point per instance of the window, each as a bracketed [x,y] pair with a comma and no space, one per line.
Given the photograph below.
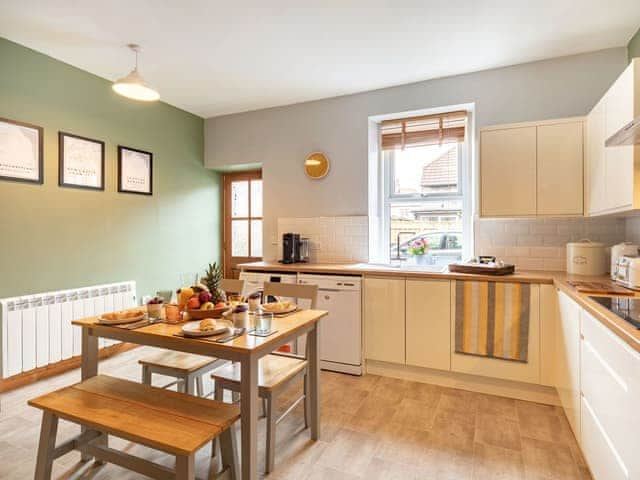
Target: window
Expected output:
[424,163]
[242,220]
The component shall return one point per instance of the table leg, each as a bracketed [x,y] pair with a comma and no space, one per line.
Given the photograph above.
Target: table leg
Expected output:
[249,416]
[88,369]
[89,366]
[314,380]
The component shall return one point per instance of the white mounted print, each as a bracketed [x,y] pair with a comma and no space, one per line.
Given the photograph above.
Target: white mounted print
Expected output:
[81,162]
[135,171]
[20,152]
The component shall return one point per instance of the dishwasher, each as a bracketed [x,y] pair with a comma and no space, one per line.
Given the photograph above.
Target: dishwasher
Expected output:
[341,329]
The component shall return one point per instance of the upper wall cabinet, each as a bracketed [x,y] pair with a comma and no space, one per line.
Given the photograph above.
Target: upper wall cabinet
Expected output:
[532,169]
[612,179]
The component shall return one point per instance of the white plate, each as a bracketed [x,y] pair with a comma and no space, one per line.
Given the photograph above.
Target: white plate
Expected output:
[192,329]
[292,308]
[120,321]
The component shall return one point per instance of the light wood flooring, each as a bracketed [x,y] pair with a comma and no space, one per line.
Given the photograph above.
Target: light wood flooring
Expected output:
[373,428]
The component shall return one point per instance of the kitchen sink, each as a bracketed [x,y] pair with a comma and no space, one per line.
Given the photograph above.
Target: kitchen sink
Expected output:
[410,266]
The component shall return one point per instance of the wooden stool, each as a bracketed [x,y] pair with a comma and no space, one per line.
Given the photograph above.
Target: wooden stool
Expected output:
[274,375]
[171,422]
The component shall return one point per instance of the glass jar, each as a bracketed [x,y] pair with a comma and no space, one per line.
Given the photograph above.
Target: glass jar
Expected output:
[241,316]
[172,313]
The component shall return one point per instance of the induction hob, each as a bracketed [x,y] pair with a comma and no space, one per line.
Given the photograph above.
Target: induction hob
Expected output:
[626,308]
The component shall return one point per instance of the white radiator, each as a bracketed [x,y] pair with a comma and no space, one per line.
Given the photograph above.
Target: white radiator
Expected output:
[37,331]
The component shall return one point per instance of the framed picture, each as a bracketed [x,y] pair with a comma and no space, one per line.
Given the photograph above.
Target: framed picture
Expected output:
[81,162]
[135,171]
[21,158]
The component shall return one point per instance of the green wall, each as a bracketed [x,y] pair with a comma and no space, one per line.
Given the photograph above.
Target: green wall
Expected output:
[54,238]
[634,46]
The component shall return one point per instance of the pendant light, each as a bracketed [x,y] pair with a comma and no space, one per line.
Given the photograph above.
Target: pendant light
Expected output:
[133,85]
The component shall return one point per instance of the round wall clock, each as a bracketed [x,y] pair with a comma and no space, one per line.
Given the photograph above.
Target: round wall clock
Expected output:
[316,165]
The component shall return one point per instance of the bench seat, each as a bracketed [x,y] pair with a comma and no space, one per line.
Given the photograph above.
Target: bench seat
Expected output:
[172,422]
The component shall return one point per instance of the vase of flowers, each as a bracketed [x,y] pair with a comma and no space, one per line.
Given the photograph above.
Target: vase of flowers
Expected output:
[418,250]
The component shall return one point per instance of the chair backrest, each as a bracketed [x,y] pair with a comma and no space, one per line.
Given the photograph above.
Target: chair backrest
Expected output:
[232,285]
[293,290]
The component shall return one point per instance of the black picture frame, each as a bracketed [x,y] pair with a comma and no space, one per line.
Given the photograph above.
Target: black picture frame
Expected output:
[121,188]
[40,132]
[61,161]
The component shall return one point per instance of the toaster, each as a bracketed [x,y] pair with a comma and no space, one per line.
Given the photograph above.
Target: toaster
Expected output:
[628,272]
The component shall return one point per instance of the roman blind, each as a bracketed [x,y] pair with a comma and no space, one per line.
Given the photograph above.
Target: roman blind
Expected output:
[425,130]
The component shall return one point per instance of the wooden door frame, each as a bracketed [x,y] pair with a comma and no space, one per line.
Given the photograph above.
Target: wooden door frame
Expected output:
[227,179]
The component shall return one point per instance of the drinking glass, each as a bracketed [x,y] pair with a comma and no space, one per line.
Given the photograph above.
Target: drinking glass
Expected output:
[263,322]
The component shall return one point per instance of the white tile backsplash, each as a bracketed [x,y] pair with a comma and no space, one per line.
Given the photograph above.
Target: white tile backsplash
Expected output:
[539,244]
[333,239]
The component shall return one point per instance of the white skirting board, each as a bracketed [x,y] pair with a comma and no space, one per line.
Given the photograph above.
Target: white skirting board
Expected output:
[36,329]
[463,381]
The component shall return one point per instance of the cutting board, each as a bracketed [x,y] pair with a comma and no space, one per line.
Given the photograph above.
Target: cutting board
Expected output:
[600,288]
[482,268]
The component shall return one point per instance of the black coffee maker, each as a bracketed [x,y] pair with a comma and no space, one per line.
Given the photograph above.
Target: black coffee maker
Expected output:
[290,248]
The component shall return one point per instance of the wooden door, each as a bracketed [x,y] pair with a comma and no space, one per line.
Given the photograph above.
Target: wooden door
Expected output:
[559,163]
[242,213]
[428,312]
[508,172]
[384,319]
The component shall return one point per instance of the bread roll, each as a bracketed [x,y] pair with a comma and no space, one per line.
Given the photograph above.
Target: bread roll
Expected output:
[207,324]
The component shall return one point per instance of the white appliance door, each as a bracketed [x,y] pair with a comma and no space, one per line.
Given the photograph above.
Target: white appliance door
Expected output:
[340,330]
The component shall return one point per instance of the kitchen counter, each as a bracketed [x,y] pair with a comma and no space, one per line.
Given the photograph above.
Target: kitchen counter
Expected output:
[617,325]
[384,270]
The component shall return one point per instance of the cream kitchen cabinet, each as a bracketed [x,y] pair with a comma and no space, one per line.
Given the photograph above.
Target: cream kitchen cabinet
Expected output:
[428,311]
[527,372]
[568,359]
[559,169]
[612,179]
[507,168]
[384,317]
[610,384]
[532,169]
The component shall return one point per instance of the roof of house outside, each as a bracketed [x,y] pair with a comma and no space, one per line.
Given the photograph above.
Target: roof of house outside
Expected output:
[443,171]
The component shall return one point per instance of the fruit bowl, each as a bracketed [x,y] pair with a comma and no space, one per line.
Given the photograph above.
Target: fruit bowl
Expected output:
[213,313]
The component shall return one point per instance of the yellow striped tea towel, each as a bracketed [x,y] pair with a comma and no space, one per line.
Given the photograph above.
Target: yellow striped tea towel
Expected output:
[492,319]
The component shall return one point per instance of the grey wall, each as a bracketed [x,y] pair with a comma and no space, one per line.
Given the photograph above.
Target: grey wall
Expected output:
[280,138]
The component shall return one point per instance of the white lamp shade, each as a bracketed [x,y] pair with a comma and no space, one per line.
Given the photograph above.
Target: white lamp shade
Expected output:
[134,87]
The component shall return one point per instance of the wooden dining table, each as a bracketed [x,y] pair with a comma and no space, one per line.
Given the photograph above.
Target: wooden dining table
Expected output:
[246,349]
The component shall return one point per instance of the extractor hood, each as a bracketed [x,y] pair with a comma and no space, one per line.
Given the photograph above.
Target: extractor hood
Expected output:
[627,135]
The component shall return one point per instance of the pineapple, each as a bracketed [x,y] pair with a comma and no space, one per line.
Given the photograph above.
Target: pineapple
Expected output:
[212,278]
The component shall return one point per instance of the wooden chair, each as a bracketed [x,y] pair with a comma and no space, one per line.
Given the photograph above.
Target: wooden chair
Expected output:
[186,368]
[276,372]
[171,422]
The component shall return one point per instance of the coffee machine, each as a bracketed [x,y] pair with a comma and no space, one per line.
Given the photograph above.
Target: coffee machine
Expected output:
[290,248]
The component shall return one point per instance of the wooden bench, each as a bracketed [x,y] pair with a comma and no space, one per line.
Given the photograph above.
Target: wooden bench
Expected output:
[171,422]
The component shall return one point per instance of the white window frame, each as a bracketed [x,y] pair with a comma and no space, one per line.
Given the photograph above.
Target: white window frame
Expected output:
[465,182]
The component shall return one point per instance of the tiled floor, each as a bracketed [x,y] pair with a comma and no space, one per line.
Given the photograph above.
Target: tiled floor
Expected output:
[372,428]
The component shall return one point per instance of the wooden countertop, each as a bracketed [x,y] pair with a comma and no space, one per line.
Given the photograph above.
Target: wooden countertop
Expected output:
[617,325]
[378,270]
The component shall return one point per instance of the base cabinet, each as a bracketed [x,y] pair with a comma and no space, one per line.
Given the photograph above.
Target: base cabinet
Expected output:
[568,360]
[384,306]
[610,379]
[428,310]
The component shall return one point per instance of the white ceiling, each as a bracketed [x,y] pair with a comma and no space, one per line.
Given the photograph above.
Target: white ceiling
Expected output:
[213,57]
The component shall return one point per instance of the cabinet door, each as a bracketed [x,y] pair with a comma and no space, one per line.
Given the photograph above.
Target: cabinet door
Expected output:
[619,173]
[559,164]
[384,300]
[568,358]
[508,172]
[595,177]
[428,323]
